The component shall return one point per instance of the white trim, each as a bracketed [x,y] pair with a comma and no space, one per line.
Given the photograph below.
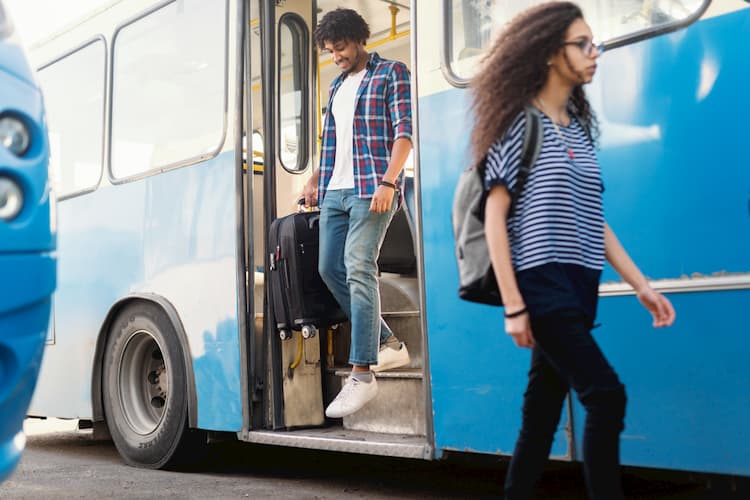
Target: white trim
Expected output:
[740,281]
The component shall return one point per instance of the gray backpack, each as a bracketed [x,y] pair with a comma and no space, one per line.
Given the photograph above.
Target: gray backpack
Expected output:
[476,277]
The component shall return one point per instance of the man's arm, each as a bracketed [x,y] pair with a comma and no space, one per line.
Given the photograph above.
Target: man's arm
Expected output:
[398,100]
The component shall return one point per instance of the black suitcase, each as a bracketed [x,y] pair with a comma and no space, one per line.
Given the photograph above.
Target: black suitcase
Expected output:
[299,298]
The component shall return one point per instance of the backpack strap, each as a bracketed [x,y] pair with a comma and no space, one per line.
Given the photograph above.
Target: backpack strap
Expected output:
[532,145]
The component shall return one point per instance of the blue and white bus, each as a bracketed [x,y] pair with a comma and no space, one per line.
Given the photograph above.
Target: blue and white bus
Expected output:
[27,241]
[180,129]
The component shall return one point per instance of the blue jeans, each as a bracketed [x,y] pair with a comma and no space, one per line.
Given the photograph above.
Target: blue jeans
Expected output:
[350,240]
[565,356]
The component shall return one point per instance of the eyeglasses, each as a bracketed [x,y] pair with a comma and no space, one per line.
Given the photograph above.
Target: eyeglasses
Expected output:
[587,46]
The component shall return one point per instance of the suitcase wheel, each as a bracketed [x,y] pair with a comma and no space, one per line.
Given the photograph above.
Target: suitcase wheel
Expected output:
[309,331]
[285,334]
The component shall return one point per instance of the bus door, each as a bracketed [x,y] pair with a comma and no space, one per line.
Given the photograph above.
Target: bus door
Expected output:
[302,375]
[282,131]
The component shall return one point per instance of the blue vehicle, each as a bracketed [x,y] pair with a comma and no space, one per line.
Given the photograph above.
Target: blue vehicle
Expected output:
[27,242]
[180,129]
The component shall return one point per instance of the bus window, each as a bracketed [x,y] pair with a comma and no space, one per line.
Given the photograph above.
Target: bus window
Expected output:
[74,94]
[257,151]
[471,24]
[293,133]
[169,87]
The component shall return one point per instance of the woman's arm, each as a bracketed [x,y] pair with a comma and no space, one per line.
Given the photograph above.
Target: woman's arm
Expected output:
[496,233]
[657,304]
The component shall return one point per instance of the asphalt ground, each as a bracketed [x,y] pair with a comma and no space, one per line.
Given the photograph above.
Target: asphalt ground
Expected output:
[63,462]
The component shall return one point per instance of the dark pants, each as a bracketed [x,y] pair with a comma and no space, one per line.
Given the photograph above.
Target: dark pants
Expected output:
[566,356]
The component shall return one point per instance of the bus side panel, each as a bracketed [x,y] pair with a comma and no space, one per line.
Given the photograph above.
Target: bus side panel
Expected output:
[677,196]
[674,162]
[174,235]
[478,374]
[688,400]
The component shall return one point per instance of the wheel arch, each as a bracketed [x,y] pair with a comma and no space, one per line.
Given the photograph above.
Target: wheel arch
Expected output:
[103,337]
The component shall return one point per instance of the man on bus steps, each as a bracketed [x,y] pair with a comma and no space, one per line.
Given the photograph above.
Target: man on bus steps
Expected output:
[366,140]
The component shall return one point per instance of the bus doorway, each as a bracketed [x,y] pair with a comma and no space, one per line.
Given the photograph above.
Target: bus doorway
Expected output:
[300,376]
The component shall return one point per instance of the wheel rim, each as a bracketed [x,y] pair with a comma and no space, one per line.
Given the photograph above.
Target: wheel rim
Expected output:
[143,382]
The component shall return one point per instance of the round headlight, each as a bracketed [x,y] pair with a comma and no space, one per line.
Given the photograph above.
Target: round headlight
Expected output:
[11,199]
[14,135]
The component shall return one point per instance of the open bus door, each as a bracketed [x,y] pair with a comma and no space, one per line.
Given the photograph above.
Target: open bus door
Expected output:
[288,397]
[296,378]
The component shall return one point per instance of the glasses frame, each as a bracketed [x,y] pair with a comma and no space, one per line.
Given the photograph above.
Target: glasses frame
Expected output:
[586,46]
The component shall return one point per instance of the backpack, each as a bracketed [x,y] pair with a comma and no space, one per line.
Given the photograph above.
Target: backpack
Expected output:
[476,277]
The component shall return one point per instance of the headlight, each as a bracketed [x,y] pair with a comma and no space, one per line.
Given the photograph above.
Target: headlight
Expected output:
[11,199]
[14,135]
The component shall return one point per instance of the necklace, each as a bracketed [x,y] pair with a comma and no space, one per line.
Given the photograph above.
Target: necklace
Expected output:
[571,154]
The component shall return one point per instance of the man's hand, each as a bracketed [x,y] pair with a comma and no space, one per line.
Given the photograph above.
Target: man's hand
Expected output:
[382,199]
[311,192]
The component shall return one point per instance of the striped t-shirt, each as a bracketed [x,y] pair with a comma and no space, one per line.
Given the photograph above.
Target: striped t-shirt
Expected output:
[558,217]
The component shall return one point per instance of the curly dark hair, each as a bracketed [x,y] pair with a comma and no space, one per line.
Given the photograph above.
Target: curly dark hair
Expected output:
[515,69]
[341,24]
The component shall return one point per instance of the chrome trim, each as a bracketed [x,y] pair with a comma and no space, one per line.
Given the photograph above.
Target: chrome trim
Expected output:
[399,314]
[366,443]
[105,98]
[303,157]
[569,429]
[459,82]
[662,29]
[178,164]
[418,243]
[682,285]
[445,48]
[244,306]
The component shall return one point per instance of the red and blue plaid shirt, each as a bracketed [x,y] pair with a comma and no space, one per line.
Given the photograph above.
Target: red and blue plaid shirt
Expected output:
[382,115]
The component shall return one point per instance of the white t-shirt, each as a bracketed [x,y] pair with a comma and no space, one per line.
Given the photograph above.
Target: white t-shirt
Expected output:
[343,106]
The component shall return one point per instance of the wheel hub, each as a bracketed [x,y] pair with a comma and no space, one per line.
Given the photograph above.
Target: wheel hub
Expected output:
[143,382]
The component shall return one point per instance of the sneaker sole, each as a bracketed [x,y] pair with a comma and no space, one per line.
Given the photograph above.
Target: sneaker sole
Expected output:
[390,366]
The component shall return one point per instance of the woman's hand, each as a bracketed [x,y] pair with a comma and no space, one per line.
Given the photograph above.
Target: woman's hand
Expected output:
[382,199]
[658,305]
[520,329]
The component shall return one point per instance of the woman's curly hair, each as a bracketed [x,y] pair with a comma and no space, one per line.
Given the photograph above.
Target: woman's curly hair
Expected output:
[515,70]
[341,24]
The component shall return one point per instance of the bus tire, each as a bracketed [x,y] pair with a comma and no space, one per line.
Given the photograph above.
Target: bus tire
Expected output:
[144,390]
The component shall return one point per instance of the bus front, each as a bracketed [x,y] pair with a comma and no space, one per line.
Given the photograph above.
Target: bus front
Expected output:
[27,241]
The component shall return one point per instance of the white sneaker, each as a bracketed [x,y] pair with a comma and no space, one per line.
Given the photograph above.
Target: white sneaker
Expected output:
[390,358]
[353,396]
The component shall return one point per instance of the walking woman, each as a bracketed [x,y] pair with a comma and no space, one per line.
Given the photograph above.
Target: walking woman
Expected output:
[548,255]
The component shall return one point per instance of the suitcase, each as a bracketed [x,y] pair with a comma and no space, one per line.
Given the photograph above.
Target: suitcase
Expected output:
[299,298]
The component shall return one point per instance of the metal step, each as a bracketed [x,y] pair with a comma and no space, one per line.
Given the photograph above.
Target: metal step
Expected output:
[398,408]
[404,324]
[349,441]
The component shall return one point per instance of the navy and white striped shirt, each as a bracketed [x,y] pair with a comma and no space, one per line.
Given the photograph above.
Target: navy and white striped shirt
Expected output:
[558,217]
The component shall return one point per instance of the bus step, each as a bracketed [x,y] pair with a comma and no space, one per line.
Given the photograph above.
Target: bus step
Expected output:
[342,440]
[398,408]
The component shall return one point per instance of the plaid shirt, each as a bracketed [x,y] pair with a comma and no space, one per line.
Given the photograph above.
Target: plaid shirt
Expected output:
[382,115]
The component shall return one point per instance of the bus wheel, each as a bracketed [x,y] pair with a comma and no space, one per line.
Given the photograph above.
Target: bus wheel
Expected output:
[145,389]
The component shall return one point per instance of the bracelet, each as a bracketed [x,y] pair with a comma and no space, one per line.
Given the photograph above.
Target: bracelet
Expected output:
[516,314]
[388,184]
